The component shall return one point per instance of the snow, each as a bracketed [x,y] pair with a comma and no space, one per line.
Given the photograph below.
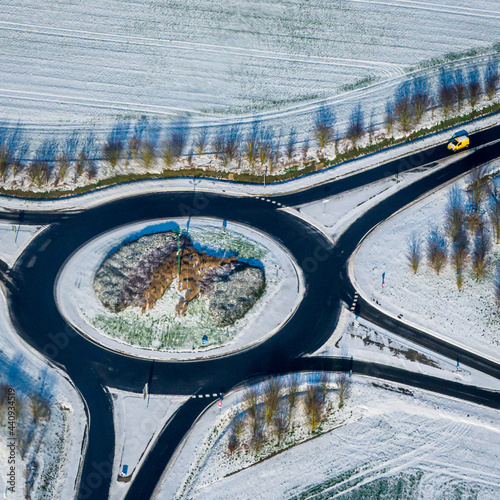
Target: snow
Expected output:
[363,340]
[14,239]
[100,196]
[385,432]
[80,306]
[138,422]
[61,438]
[69,63]
[467,317]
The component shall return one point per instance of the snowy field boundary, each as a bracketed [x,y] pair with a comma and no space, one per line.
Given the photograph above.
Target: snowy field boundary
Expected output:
[362,293]
[34,363]
[195,451]
[230,188]
[78,272]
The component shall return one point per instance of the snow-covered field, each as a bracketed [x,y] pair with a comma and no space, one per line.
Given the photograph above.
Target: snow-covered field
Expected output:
[365,341]
[68,62]
[81,307]
[54,452]
[468,316]
[390,440]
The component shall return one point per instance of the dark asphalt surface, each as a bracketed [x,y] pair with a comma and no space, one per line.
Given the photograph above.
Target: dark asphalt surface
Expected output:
[91,367]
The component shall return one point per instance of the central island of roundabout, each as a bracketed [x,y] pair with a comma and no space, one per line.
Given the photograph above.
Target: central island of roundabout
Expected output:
[179,288]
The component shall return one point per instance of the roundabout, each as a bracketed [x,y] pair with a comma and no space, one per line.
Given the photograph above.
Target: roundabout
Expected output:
[93,366]
[246,286]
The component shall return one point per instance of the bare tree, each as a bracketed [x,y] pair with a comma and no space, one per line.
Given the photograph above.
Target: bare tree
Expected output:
[265,145]
[324,382]
[460,253]
[12,149]
[86,160]
[134,143]
[114,144]
[344,387]
[477,186]
[436,249]
[250,402]
[218,142]
[323,128]
[232,441]
[40,169]
[421,98]
[455,212]
[473,86]
[201,141]
[480,261]
[460,87]
[356,126]
[494,209]
[292,392]
[239,426]
[280,424]
[67,154]
[403,109]
[272,393]
[305,148]
[148,153]
[389,117]
[258,435]
[371,127]
[313,406]
[40,408]
[175,141]
[291,144]
[446,92]
[491,78]
[232,142]
[414,250]
[251,149]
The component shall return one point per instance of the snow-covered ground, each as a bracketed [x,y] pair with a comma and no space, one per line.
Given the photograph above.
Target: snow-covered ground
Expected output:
[284,289]
[138,422]
[468,317]
[395,440]
[57,443]
[365,341]
[68,62]
[100,196]
[13,239]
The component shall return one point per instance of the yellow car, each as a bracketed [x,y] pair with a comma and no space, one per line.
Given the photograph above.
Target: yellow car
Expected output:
[459,140]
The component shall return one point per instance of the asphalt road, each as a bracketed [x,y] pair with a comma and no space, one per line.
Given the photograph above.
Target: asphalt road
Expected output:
[91,367]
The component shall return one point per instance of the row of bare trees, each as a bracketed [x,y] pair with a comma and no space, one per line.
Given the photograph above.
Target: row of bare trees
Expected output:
[469,221]
[258,146]
[50,161]
[413,99]
[270,408]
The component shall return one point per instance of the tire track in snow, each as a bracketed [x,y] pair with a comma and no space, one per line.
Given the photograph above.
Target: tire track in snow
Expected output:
[384,68]
[442,440]
[444,9]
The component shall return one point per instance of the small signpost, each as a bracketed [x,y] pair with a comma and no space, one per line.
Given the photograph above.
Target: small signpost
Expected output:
[325,201]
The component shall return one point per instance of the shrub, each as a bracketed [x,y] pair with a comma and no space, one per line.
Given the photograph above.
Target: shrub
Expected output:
[480,261]
[414,251]
[436,249]
[323,128]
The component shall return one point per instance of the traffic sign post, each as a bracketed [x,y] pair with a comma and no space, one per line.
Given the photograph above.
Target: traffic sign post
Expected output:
[325,201]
